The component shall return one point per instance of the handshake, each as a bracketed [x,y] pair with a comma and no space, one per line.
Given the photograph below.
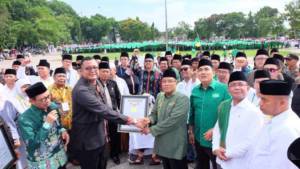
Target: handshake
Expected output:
[140,123]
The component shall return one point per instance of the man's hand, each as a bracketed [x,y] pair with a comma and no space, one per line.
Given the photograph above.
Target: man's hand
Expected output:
[143,122]
[191,137]
[208,134]
[145,130]
[66,138]
[220,153]
[51,117]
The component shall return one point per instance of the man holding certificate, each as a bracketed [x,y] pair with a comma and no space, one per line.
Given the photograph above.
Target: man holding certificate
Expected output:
[167,123]
[90,111]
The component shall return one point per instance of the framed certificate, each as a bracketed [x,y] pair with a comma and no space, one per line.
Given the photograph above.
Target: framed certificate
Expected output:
[7,153]
[135,106]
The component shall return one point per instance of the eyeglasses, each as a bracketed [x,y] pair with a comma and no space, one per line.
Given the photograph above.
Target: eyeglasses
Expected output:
[184,69]
[44,99]
[91,68]
[200,69]
[168,81]
[223,72]
[272,70]
[261,58]
[237,84]
[148,61]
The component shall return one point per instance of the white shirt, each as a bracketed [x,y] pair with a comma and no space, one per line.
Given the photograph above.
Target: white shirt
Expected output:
[245,122]
[1,86]
[7,91]
[252,97]
[187,87]
[122,85]
[72,77]
[270,149]
[35,79]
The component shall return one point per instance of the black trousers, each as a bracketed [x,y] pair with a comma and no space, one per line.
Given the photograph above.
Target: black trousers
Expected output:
[204,156]
[93,159]
[169,163]
[115,139]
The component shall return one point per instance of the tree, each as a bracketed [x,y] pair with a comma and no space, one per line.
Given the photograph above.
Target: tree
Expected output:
[95,28]
[292,15]
[202,29]
[250,27]
[136,30]
[182,31]
[269,22]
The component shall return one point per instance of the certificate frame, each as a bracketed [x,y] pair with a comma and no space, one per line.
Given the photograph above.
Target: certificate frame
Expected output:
[139,109]
[8,148]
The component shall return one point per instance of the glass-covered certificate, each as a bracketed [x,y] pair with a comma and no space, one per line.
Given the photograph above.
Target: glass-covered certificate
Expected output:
[135,107]
[7,154]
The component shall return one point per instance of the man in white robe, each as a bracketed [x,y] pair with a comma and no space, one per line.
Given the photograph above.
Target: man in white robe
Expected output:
[270,148]
[238,123]
[189,79]
[71,74]
[9,89]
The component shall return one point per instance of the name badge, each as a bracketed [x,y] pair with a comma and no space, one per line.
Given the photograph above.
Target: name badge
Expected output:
[65,106]
[215,95]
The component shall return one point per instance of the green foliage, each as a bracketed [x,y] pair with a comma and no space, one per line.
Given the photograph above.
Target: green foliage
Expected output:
[136,30]
[39,23]
[267,22]
[292,15]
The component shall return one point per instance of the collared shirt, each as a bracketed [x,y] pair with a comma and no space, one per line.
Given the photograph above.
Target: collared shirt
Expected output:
[204,107]
[121,71]
[150,82]
[45,149]
[72,77]
[187,87]
[244,118]
[9,114]
[34,79]
[270,148]
[63,95]
[7,91]
[123,88]
[168,125]
[252,97]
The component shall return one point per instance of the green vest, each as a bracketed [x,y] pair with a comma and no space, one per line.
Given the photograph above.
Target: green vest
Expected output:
[223,119]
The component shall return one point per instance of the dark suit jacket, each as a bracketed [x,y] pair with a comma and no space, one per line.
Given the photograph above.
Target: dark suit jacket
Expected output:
[89,111]
[295,100]
[114,93]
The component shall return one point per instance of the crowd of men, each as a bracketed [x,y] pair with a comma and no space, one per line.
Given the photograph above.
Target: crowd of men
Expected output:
[218,114]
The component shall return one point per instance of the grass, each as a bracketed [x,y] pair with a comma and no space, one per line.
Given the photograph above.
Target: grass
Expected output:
[112,56]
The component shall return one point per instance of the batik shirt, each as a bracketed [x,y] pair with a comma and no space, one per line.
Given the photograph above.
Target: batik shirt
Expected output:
[45,149]
[62,95]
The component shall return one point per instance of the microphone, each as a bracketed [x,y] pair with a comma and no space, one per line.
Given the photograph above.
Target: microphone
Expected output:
[49,109]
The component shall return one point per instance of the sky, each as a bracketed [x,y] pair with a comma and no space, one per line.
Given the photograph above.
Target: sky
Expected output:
[151,11]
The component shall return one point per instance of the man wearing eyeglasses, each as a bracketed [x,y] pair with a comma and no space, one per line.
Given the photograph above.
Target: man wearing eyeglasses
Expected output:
[167,123]
[236,117]
[90,110]
[189,80]
[205,99]
[259,60]
[275,69]
[185,87]
[292,65]
[41,130]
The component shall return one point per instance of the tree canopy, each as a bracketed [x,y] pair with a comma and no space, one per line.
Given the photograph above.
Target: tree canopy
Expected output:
[38,23]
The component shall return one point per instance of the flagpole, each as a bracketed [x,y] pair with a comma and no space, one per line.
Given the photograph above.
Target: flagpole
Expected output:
[166,22]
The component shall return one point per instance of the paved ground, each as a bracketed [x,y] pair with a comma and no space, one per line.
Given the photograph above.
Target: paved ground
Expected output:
[125,165]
